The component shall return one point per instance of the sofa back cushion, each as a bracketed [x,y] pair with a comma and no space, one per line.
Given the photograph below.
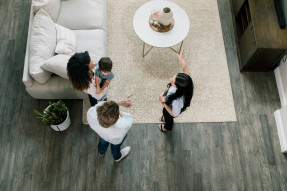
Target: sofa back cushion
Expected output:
[83,14]
[42,45]
[51,7]
[93,41]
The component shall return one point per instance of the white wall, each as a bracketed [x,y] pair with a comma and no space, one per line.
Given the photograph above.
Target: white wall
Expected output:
[283,74]
[281,114]
[281,80]
[281,123]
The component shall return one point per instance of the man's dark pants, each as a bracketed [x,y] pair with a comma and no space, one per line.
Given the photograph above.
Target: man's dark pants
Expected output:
[115,149]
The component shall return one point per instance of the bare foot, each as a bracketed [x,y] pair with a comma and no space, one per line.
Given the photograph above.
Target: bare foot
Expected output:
[161,128]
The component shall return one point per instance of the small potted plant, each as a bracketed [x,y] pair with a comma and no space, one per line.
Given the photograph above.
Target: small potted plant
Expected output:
[56,115]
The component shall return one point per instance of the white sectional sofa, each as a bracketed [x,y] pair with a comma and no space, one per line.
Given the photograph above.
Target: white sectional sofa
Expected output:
[87,18]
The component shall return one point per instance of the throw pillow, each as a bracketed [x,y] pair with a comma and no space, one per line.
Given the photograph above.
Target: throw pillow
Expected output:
[52,7]
[57,65]
[66,41]
[42,45]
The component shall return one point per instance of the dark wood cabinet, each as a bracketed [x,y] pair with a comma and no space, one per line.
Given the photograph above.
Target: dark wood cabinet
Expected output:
[260,40]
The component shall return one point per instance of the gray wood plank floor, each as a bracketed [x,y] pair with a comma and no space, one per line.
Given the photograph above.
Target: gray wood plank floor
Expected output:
[242,155]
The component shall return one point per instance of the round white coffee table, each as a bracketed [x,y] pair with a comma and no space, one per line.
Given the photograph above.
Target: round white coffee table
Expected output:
[158,39]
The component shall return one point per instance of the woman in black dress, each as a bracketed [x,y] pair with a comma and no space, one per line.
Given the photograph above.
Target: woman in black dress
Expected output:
[178,96]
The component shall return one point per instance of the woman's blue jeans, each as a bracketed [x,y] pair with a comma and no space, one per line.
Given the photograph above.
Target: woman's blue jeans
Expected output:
[115,149]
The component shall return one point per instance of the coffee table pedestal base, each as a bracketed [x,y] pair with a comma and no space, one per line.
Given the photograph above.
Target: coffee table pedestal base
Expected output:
[145,53]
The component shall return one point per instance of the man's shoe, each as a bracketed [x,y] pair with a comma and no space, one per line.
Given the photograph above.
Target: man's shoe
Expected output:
[125,151]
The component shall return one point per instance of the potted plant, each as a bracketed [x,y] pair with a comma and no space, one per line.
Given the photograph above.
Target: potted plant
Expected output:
[56,115]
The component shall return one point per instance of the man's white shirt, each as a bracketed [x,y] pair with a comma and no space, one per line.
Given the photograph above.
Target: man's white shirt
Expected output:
[114,134]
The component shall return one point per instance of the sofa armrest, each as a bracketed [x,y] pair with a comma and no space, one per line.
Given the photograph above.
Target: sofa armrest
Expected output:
[27,79]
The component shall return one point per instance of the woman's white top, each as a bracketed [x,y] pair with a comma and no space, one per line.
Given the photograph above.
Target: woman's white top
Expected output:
[176,104]
[93,89]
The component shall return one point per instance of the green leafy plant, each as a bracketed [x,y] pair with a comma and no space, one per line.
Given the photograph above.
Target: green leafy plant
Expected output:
[55,114]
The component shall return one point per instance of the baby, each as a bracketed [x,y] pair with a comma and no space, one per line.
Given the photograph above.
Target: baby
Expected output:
[103,76]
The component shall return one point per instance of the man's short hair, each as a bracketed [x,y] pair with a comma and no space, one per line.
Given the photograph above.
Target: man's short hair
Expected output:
[108,113]
[105,64]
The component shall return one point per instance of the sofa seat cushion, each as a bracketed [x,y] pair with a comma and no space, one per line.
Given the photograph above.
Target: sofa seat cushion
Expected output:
[83,14]
[42,45]
[93,41]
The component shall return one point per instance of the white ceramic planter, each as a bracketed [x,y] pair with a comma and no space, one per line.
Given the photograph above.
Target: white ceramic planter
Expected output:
[63,126]
[165,16]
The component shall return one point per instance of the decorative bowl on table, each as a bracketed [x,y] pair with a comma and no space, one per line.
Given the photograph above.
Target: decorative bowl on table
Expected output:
[156,25]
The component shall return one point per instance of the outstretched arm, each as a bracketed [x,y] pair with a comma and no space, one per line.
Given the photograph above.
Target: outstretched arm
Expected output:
[183,63]
[126,102]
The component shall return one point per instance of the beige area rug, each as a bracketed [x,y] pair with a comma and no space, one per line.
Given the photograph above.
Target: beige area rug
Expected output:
[147,77]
